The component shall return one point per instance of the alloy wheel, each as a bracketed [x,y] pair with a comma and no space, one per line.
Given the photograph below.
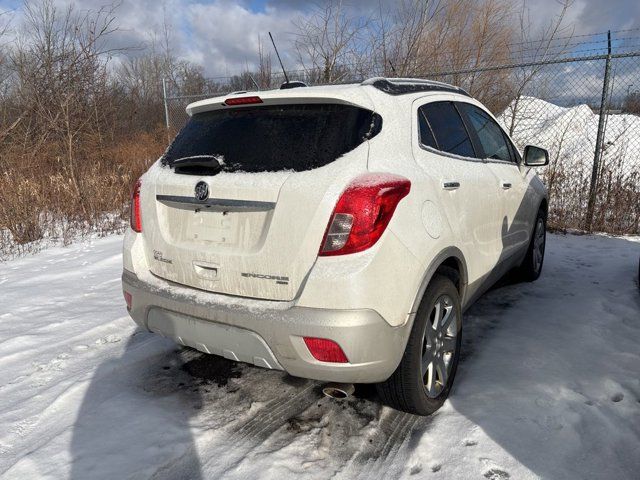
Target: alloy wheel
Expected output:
[538,245]
[439,346]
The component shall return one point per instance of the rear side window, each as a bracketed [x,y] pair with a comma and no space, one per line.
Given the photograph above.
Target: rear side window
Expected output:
[426,135]
[273,138]
[448,129]
[491,137]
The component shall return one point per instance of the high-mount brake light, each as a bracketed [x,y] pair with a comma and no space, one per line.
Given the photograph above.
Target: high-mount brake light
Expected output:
[136,213]
[363,212]
[242,101]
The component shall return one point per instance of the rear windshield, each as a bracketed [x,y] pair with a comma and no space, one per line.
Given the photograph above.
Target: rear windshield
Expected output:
[273,138]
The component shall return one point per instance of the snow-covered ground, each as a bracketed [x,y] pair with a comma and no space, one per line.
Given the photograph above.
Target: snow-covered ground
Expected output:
[549,386]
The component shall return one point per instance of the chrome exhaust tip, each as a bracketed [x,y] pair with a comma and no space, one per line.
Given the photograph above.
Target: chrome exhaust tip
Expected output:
[338,391]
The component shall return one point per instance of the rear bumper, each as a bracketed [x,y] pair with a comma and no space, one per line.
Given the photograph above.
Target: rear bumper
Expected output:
[266,333]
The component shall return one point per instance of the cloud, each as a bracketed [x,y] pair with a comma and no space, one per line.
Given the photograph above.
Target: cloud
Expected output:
[600,16]
[222,35]
[588,16]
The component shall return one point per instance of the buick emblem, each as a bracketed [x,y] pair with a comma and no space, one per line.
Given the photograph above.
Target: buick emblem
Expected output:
[202,191]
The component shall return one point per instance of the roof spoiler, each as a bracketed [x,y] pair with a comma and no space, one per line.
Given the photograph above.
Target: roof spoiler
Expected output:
[400,86]
[292,84]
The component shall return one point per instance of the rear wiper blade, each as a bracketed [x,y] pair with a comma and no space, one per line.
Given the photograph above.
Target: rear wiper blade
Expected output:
[199,165]
[198,161]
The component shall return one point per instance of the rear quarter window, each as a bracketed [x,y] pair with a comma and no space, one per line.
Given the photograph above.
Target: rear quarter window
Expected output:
[274,138]
[491,137]
[449,131]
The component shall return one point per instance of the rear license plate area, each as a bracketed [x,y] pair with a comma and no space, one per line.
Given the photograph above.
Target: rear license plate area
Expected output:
[212,227]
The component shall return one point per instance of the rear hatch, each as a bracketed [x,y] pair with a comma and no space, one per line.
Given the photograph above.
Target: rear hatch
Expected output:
[240,201]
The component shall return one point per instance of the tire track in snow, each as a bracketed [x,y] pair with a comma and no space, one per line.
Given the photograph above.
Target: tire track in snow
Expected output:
[281,409]
[250,435]
[26,433]
[395,436]
[63,366]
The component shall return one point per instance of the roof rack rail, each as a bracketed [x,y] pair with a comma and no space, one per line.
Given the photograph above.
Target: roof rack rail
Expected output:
[292,84]
[401,86]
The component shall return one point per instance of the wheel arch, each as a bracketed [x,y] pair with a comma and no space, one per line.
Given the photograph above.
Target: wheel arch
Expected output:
[451,263]
[544,206]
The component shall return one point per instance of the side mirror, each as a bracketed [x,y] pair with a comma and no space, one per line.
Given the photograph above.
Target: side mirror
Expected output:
[535,156]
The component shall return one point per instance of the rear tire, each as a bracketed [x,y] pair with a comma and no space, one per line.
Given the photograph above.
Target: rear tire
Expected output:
[422,381]
[531,267]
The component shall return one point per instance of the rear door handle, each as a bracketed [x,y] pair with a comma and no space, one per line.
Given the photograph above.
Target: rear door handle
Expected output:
[453,185]
[506,185]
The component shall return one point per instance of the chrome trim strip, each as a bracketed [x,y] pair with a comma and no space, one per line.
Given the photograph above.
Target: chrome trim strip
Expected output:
[217,204]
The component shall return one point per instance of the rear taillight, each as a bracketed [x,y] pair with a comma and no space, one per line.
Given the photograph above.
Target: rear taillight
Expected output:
[325,350]
[363,213]
[136,213]
[128,298]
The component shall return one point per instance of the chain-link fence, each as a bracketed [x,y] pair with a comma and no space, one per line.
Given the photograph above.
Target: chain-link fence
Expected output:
[584,110]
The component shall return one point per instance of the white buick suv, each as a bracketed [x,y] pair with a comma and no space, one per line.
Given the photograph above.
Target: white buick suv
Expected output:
[336,233]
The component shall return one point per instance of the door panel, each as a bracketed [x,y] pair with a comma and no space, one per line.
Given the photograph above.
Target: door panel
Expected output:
[513,197]
[511,188]
[466,191]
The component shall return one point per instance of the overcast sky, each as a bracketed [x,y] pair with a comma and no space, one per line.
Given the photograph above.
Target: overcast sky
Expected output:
[222,35]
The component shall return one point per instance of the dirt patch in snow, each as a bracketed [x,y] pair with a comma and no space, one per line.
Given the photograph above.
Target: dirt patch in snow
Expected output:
[213,369]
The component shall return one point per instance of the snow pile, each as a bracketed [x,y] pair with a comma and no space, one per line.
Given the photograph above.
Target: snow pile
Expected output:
[549,386]
[569,133]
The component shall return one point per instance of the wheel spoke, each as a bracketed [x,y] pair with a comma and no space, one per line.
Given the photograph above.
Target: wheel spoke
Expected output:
[427,359]
[429,334]
[438,313]
[448,344]
[430,380]
[446,321]
[442,370]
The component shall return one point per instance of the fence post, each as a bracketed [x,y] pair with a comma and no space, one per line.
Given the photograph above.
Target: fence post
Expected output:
[166,105]
[599,138]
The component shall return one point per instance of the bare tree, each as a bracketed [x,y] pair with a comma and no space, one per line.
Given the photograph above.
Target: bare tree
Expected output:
[62,77]
[329,41]
[426,38]
[264,74]
[549,43]
[631,103]
[5,70]
[402,39]
[465,35]
[140,77]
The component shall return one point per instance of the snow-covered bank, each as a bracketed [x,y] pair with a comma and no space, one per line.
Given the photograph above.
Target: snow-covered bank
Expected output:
[570,134]
[549,386]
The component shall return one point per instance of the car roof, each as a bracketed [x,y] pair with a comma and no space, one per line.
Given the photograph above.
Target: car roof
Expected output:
[359,94]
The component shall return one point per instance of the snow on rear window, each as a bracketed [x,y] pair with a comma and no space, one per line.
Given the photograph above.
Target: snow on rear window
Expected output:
[275,138]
